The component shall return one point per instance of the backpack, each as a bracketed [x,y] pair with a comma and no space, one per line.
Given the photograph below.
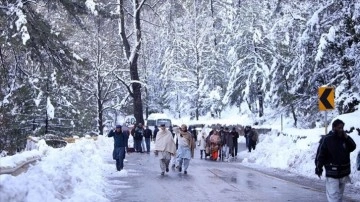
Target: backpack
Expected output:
[138,134]
[255,136]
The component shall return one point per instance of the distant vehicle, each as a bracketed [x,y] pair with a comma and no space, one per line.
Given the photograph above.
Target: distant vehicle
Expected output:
[198,127]
[54,141]
[156,119]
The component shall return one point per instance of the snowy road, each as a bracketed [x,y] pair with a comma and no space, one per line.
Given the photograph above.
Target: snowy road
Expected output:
[206,181]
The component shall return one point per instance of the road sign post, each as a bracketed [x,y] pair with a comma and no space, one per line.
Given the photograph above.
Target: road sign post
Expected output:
[326,101]
[326,125]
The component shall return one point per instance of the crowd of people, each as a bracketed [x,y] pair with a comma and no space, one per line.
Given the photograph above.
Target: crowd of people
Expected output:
[175,146]
[219,144]
[222,144]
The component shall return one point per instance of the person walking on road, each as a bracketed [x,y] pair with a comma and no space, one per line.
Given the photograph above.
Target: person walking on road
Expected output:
[202,142]
[222,143]
[165,147]
[235,136]
[251,137]
[120,143]
[138,137]
[126,132]
[185,149]
[227,144]
[173,158]
[156,130]
[147,136]
[246,135]
[358,156]
[215,146]
[333,153]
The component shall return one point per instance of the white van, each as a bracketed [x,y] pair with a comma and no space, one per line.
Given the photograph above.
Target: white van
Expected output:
[156,119]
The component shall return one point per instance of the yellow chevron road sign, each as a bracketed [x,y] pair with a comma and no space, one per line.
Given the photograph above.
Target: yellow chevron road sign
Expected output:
[326,98]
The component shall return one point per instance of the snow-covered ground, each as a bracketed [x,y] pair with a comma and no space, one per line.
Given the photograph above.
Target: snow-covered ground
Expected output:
[79,171]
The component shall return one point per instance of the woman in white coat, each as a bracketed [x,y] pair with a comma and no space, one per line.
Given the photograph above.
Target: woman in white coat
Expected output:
[202,142]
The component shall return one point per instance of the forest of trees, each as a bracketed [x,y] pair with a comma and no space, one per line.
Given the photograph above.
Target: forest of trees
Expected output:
[71,67]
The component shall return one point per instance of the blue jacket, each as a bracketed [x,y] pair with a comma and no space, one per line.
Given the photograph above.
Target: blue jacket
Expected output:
[120,138]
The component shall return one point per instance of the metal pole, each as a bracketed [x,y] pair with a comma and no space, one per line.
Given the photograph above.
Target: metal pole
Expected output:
[325,122]
[281,123]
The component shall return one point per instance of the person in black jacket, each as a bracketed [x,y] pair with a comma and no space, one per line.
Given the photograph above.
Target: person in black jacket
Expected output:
[138,137]
[334,154]
[120,143]
[147,136]
[251,137]
[358,156]
[235,136]
[156,130]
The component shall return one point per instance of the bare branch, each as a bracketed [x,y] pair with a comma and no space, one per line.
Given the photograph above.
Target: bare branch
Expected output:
[140,5]
[151,23]
[127,86]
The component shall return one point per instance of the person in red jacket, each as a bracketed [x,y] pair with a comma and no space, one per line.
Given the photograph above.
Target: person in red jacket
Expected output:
[334,154]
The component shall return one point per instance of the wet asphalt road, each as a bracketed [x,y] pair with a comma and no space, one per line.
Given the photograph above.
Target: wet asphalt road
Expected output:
[206,181]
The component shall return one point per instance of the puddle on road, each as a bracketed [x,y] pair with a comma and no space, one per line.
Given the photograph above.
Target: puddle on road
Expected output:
[249,179]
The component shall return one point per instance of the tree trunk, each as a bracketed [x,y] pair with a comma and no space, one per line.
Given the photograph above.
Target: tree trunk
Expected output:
[132,56]
[100,109]
[212,15]
[198,103]
[100,95]
[291,105]
[261,104]
[46,123]
[46,110]
[197,66]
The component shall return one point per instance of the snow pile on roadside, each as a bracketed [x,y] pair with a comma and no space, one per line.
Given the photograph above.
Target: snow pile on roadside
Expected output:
[72,173]
[295,149]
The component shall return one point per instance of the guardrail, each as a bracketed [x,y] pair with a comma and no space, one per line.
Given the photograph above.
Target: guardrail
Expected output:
[262,130]
[10,170]
[28,160]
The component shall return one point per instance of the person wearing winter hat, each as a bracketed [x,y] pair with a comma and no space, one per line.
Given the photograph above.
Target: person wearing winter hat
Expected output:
[120,143]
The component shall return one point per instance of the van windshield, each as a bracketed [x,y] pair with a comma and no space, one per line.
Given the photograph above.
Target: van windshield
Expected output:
[151,122]
[167,122]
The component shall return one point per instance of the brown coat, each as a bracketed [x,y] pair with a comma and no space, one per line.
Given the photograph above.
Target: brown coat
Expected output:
[190,141]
